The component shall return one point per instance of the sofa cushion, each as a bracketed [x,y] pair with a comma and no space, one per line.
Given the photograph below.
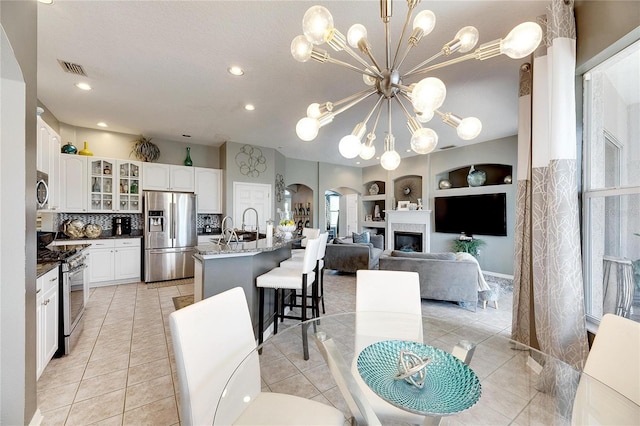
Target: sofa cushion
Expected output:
[365,237]
[418,255]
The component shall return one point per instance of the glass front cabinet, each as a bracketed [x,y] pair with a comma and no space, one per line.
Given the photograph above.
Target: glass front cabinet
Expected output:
[114,185]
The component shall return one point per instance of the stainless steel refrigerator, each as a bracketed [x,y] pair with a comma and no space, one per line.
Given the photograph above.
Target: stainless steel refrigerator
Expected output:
[170,235]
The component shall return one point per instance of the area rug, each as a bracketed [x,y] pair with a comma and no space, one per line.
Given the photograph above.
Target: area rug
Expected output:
[181,301]
[160,284]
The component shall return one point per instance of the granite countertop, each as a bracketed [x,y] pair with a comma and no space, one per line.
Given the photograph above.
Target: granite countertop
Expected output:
[103,236]
[247,248]
[43,268]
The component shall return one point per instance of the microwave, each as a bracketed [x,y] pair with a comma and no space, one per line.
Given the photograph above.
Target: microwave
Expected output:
[42,190]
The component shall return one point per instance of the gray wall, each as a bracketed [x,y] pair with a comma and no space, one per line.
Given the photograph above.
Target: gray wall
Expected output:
[18,400]
[104,143]
[501,151]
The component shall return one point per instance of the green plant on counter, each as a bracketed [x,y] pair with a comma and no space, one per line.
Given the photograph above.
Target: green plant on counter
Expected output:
[468,246]
[145,150]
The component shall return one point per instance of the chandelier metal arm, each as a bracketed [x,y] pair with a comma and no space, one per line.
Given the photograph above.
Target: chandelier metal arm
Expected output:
[389,114]
[404,29]
[365,48]
[443,64]
[353,67]
[369,141]
[373,69]
[350,98]
[422,64]
[377,104]
[355,102]
[405,110]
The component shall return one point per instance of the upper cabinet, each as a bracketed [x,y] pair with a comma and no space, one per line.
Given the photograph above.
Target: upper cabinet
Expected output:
[208,190]
[114,185]
[165,177]
[48,160]
[73,183]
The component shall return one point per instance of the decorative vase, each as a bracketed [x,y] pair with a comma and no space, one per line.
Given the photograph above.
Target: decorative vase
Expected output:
[444,184]
[85,150]
[69,148]
[187,161]
[476,177]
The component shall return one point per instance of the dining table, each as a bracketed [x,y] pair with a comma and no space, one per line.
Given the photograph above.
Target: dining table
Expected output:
[383,364]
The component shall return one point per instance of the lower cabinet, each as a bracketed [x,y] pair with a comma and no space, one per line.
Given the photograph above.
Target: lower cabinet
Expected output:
[47,309]
[114,261]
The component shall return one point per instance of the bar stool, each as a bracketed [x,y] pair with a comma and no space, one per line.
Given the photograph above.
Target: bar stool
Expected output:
[295,279]
[296,262]
[309,234]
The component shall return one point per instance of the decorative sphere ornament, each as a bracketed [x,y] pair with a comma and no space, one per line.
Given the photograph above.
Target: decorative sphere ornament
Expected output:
[412,368]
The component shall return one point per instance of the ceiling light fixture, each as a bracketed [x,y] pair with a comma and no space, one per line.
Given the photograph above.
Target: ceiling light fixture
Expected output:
[387,83]
[46,1]
[249,107]
[102,124]
[83,86]
[234,70]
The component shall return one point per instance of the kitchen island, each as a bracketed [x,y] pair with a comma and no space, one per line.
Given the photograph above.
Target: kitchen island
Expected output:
[220,267]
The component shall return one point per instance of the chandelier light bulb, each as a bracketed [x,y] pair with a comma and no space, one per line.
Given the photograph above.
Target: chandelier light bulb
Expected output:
[469,128]
[367,152]
[368,80]
[356,33]
[428,94]
[350,146]
[424,116]
[313,110]
[425,20]
[301,48]
[307,128]
[424,141]
[468,37]
[317,21]
[522,40]
[390,160]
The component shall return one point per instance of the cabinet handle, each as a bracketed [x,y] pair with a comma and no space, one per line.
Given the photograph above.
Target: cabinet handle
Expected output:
[38,290]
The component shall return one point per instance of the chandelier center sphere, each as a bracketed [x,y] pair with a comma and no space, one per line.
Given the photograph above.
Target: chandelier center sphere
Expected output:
[386,86]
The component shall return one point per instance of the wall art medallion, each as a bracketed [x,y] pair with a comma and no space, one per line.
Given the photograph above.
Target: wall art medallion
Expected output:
[279,187]
[251,161]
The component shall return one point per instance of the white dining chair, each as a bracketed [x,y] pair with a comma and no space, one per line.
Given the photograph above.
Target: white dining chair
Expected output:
[296,279]
[614,361]
[382,292]
[210,339]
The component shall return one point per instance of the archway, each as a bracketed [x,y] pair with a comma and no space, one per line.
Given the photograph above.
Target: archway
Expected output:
[340,219]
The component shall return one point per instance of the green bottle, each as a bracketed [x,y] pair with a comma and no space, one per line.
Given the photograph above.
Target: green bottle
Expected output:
[187,161]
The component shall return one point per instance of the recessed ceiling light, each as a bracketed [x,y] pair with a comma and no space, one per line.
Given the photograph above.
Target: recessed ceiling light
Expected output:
[234,70]
[249,107]
[377,158]
[357,162]
[102,124]
[409,150]
[46,1]
[83,86]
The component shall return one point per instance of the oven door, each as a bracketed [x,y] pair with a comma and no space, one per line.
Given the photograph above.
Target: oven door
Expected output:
[42,190]
[73,293]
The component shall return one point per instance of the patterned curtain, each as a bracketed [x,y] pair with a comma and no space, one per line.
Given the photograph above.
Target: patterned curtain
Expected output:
[548,310]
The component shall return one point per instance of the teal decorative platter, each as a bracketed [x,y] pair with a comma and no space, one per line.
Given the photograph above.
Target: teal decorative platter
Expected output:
[450,385]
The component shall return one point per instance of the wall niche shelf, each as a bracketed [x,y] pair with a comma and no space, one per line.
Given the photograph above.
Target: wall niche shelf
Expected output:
[497,174]
[370,199]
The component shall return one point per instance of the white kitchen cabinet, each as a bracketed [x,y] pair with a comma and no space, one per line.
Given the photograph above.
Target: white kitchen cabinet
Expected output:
[209,190]
[47,309]
[48,160]
[73,183]
[101,260]
[167,177]
[127,259]
[114,185]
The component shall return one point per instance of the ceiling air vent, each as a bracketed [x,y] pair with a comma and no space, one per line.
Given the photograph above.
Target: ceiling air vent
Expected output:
[447,147]
[72,68]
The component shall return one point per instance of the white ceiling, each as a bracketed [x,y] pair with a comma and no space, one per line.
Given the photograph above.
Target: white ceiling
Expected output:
[159,68]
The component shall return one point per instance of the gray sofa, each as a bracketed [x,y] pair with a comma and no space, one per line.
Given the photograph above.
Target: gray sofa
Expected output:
[441,276]
[344,255]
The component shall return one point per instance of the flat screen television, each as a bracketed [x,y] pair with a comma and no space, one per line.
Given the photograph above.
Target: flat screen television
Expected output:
[484,214]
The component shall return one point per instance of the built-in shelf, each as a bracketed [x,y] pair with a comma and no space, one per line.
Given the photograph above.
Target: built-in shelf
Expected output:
[373,224]
[379,197]
[372,202]
[497,174]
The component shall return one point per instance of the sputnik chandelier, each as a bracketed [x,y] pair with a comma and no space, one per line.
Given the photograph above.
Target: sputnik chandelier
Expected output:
[390,84]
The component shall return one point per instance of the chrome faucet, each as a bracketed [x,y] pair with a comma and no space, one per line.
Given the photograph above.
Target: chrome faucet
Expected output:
[231,230]
[257,230]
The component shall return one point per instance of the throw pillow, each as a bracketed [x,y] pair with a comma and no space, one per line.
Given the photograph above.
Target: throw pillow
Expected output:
[365,237]
[337,241]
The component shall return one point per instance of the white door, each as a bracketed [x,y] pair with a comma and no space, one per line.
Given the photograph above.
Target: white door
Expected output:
[256,195]
[352,213]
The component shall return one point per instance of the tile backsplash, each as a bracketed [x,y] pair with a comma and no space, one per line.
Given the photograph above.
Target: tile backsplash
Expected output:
[105,220]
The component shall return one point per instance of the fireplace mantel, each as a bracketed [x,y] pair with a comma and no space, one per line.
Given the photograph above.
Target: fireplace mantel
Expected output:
[409,221]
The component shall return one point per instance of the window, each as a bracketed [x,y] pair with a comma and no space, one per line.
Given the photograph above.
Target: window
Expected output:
[611,186]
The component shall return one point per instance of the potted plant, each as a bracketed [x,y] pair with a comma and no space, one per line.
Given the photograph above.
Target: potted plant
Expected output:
[468,245]
[145,150]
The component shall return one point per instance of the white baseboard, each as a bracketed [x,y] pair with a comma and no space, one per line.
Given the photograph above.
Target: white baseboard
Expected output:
[498,275]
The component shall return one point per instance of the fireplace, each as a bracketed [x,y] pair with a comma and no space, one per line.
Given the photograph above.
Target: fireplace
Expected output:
[407,241]
[412,222]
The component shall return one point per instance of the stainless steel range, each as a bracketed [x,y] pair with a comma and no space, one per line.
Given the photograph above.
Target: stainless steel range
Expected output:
[72,289]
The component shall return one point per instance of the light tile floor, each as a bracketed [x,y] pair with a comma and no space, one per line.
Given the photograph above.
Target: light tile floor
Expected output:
[122,372]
